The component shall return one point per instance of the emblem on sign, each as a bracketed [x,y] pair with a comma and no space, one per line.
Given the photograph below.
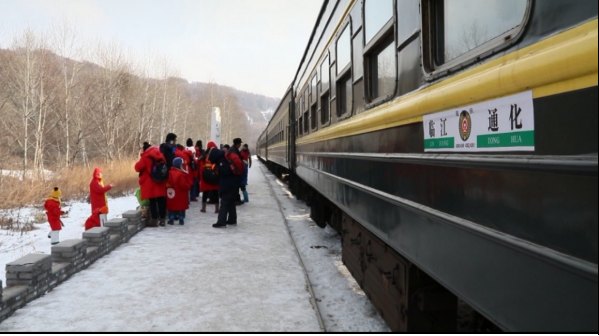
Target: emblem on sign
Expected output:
[465,125]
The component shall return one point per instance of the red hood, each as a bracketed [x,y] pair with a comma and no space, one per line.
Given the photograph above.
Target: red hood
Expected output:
[153,153]
[211,144]
[97,172]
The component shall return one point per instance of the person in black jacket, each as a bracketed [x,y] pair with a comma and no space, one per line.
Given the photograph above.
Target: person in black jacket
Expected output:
[235,150]
[228,189]
[168,149]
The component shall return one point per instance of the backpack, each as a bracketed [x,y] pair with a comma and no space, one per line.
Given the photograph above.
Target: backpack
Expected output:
[159,171]
[193,165]
[235,163]
[210,176]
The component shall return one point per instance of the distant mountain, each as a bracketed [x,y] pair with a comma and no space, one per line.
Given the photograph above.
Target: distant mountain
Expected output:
[258,108]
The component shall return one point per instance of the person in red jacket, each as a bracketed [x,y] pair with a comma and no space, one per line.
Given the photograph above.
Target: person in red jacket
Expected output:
[150,189]
[208,190]
[177,191]
[53,212]
[187,156]
[94,220]
[97,192]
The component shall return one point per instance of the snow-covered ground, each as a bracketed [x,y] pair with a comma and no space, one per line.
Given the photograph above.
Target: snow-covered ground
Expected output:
[197,278]
[14,245]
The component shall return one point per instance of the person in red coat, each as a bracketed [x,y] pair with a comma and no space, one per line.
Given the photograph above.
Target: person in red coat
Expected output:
[94,220]
[187,156]
[97,191]
[150,189]
[53,212]
[208,190]
[177,192]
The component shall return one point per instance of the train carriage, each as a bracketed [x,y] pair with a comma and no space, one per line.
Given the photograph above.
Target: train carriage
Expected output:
[453,144]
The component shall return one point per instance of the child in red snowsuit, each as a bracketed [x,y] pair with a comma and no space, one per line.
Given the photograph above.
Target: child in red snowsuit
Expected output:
[53,211]
[94,220]
[177,192]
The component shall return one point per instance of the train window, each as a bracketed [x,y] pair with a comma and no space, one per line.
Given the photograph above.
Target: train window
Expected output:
[376,15]
[383,71]
[314,89]
[324,75]
[306,99]
[357,50]
[344,50]
[379,51]
[464,25]
[306,123]
[345,96]
[324,109]
[314,116]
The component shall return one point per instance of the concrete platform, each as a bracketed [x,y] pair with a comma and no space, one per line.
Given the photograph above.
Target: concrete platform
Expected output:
[187,278]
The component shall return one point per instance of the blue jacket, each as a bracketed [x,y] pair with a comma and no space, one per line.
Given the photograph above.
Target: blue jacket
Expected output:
[228,181]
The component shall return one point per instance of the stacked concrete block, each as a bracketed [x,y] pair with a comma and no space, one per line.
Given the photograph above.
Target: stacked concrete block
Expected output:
[60,272]
[13,298]
[32,270]
[134,217]
[98,242]
[118,226]
[71,251]
[29,270]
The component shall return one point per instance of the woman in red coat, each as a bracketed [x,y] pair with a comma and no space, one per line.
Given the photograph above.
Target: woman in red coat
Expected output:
[53,211]
[207,189]
[150,189]
[177,191]
[97,191]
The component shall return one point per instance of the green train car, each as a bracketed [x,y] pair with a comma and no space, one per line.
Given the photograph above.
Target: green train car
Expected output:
[453,145]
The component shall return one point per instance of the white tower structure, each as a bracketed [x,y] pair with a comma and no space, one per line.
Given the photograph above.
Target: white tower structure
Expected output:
[215,126]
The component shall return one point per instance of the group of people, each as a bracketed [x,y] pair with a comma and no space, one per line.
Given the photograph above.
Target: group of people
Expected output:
[172,176]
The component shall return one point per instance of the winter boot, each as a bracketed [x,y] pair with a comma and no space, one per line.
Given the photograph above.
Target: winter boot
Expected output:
[246,198]
[203,207]
[217,225]
[54,237]
[181,220]
[217,208]
[153,222]
[171,219]
[162,221]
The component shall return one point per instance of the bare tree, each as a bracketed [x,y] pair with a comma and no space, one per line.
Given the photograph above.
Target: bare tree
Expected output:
[67,45]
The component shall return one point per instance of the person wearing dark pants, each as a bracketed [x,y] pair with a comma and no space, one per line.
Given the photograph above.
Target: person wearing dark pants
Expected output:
[228,189]
[235,151]
[211,195]
[228,208]
[158,209]
[150,189]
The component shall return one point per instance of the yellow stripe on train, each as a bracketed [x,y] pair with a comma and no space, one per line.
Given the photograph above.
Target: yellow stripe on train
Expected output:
[561,63]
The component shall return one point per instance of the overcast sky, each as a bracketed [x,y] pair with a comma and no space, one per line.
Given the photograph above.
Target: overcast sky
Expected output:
[253,45]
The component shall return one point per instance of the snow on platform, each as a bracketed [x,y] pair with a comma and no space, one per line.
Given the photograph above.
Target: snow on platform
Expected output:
[196,278]
[188,278]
